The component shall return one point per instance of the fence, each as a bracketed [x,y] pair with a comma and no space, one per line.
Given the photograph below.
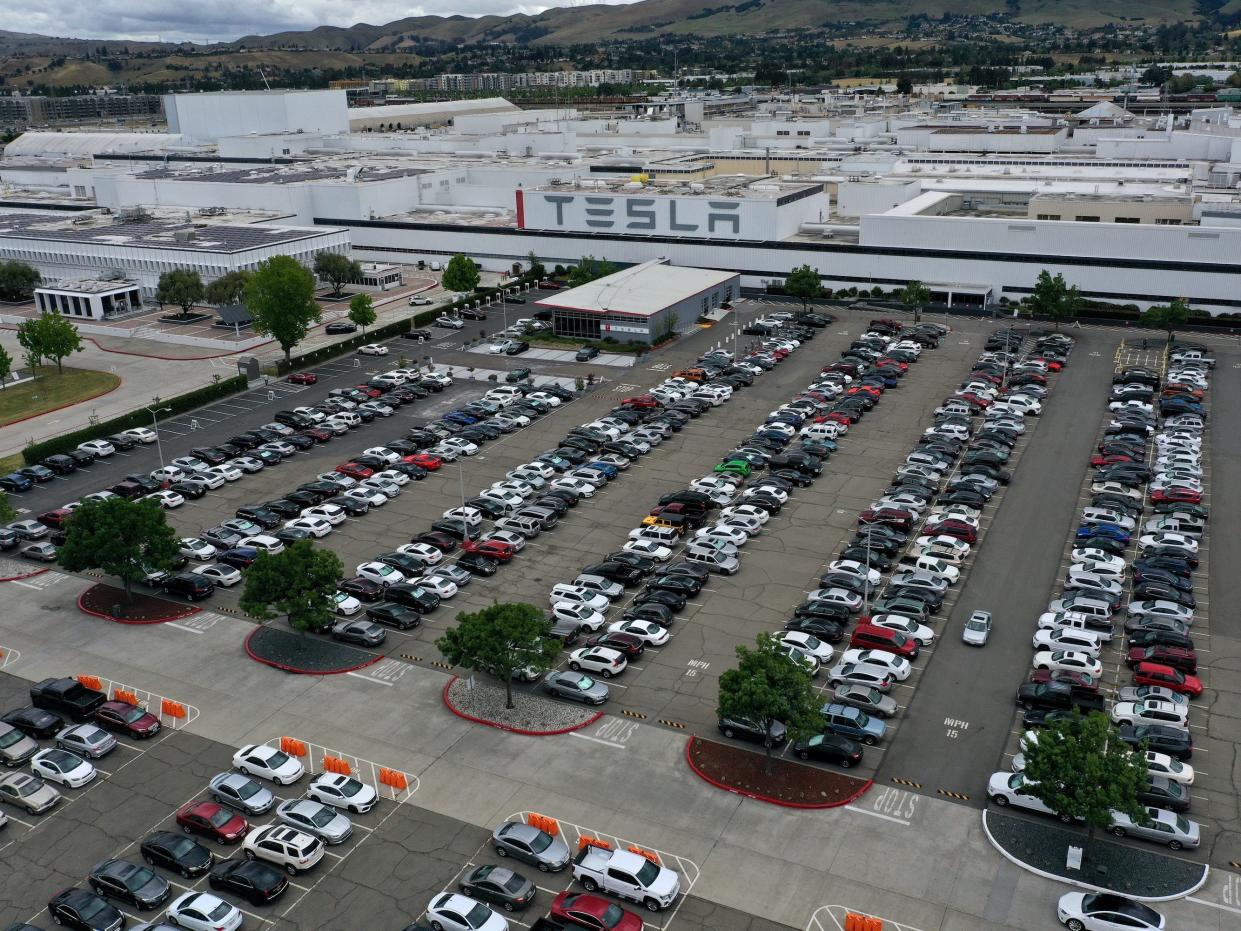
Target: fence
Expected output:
[172,713]
[390,783]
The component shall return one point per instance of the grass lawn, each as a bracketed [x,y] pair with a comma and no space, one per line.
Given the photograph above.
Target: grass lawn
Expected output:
[51,390]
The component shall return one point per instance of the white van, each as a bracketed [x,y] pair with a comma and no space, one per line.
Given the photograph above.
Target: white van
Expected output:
[528,527]
[821,431]
[436,266]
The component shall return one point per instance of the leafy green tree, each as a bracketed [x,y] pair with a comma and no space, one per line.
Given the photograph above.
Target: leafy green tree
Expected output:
[30,338]
[227,289]
[336,269]
[766,687]
[915,296]
[280,296]
[588,270]
[59,338]
[1053,298]
[537,269]
[6,366]
[182,287]
[1081,771]
[362,311]
[904,85]
[18,281]
[461,274]
[298,583]
[6,509]
[1165,316]
[500,640]
[126,539]
[803,283]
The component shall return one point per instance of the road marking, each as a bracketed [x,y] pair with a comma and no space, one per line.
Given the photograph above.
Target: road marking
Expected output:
[606,743]
[188,630]
[358,675]
[875,814]
[1223,908]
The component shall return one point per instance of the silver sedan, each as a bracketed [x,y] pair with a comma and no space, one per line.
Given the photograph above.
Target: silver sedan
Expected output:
[322,821]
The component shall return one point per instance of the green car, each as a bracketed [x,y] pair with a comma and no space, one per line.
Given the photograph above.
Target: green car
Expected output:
[735,467]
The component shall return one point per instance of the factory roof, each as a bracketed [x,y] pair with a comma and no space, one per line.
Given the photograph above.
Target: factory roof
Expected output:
[641,290]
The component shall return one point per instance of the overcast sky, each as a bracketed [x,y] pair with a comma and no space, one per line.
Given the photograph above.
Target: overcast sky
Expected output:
[223,20]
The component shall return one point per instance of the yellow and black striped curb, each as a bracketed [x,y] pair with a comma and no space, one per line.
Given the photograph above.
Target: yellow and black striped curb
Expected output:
[440,664]
[410,657]
[959,796]
[906,782]
[634,714]
[677,724]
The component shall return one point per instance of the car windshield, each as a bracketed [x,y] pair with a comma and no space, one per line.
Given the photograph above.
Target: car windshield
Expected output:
[222,817]
[351,787]
[62,759]
[10,738]
[139,878]
[478,916]
[322,817]
[132,715]
[88,908]
[220,912]
[1182,824]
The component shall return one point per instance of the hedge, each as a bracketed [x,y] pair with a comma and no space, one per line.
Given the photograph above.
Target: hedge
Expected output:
[36,452]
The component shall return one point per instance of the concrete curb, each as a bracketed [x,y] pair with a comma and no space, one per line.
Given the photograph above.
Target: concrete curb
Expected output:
[1206,870]
[25,575]
[758,797]
[304,672]
[182,613]
[525,732]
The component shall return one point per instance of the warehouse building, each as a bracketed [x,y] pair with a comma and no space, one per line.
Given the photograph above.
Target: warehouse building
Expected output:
[645,303]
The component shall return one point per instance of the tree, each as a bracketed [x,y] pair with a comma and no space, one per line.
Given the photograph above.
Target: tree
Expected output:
[1053,298]
[6,509]
[182,287]
[29,337]
[58,338]
[6,366]
[803,282]
[298,582]
[280,297]
[227,289]
[336,269]
[537,269]
[500,640]
[904,85]
[126,539]
[589,269]
[915,296]
[18,281]
[767,687]
[1081,771]
[362,311]
[1165,316]
[460,275]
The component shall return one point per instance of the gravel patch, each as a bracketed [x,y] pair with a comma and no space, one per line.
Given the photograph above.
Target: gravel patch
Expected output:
[16,568]
[305,653]
[532,712]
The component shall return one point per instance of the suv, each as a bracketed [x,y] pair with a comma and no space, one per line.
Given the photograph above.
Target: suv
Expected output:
[189,586]
[286,847]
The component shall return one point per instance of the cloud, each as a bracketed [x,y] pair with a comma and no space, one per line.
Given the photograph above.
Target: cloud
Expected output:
[225,20]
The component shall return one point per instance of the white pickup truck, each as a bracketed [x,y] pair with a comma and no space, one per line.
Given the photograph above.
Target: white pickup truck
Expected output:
[627,876]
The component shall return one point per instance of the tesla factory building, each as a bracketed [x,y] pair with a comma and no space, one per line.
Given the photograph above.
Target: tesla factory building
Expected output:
[644,303]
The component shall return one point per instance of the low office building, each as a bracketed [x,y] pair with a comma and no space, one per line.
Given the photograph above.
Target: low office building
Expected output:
[645,303]
[90,299]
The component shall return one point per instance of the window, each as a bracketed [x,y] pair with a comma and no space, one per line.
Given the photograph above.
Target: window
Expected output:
[1081,219]
[1167,221]
[1128,220]
[1049,216]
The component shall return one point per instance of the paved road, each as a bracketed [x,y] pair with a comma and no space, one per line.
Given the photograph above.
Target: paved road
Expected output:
[956,725]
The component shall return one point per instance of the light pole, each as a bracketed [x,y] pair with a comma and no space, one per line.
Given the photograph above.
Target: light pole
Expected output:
[155,426]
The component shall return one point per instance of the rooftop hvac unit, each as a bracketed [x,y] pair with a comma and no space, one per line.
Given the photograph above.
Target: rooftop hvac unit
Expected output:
[183,235]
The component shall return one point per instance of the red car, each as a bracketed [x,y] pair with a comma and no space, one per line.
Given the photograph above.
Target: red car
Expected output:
[425,460]
[54,518]
[1175,390]
[1053,365]
[627,644]
[893,516]
[1180,495]
[952,528]
[355,470]
[1157,674]
[551,286]
[976,399]
[869,637]
[1098,459]
[212,820]
[127,719]
[848,417]
[592,911]
[1073,677]
[865,389]
[367,390]
[493,549]
[303,378]
[318,434]
[641,402]
[1181,659]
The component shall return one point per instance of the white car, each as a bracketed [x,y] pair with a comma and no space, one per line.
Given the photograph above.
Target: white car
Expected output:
[62,767]
[1150,711]
[578,614]
[1071,660]
[1083,911]
[168,473]
[585,489]
[195,548]
[212,480]
[315,526]
[601,660]
[341,791]
[1105,569]
[440,378]
[1160,764]
[381,485]
[725,532]
[189,464]
[391,477]
[648,548]
[451,911]
[292,850]
[807,643]
[549,399]
[380,573]
[141,434]
[220,574]
[576,594]
[462,447]
[471,516]
[100,448]
[202,911]
[1178,540]
[515,540]
[944,544]
[1167,609]
[313,414]
[531,477]
[346,604]
[1067,638]
[334,514]
[372,497]
[897,666]
[423,551]
[166,499]
[1014,789]
[372,349]
[264,543]
[439,585]
[268,762]
[1099,560]
[905,625]
[650,633]
[247,464]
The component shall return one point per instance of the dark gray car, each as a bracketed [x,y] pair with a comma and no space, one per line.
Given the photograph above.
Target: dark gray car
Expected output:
[498,885]
[576,686]
[530,845]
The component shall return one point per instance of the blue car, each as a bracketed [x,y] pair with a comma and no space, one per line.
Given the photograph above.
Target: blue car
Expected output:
[1110,531]
[610,471]
[460,417]
[774,436]
[15,481]
[853,723]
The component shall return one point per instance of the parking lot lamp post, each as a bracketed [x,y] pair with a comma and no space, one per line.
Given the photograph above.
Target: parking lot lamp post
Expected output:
[866,587]
[155,411]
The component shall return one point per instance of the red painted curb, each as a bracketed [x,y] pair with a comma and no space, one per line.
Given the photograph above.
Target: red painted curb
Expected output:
[148,355]
[304,672]
[53,410]
[28,575]
[758,797]
[505,727]
[183,612]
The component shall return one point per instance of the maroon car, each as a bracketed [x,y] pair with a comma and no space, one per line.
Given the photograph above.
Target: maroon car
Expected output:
[1182,659]
[362,589]
[128,719]
[318,434]
[1073,677]
[627,644]
[893,516]
[303,378]
[212,820]
[441,541]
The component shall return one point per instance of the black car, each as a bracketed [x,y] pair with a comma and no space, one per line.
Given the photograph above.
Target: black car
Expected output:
[322,488]
[139,886]
[35,722]
[288,535]
[253,880]
[176,852]
[830,747]
[1155,636]
[60,464]
[644,564]
[283,507]
[361,589]
[615,572]
[306,499]
[1150,590]
[409,566]
[478,564]
[693,570]
[830,630]
[15,482]
[673,600]
[340,326]
[517,347]
[628,644]
[394,615]
[84,911]
[586,353]
[263,516]
[353,507]
[37,473]
[83,457]
[1163,793]
[864,554]
[415,596]
[684,585]
[652,611]
[553,502]
[458,529]
[191,586]
[1160,738]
